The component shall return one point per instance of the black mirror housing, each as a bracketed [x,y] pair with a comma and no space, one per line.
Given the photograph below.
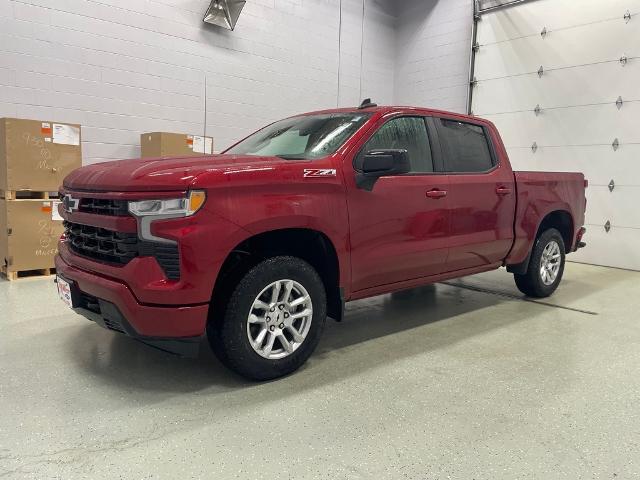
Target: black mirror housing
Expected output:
[379,163]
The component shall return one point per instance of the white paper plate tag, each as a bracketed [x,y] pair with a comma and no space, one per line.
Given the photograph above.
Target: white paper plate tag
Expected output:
[202,144]
[55,214]
[66,134]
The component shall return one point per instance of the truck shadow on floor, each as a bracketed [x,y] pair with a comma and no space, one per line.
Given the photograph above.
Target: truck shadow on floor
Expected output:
[400,325]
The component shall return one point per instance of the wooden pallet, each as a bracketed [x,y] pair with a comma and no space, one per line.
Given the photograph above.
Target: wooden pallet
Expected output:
[19,274]
[27,195]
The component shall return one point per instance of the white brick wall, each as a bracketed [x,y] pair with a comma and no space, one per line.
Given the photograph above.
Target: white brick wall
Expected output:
[433,42]
[377,46]
[122,67]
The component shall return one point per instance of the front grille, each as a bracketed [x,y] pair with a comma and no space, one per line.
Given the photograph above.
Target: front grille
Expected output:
[102,244]
[120,248]
[101,206]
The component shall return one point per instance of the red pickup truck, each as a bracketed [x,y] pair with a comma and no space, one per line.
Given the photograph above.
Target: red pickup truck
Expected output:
[255,247]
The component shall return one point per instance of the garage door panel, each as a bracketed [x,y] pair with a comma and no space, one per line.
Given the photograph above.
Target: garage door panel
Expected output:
[618,207]
[558,49]
[530,18]
[595,124]
[558,88]
[618,248]
[600,164]
[578,121]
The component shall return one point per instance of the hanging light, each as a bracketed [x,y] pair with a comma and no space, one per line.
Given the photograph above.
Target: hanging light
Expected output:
[483,6]
[224,13]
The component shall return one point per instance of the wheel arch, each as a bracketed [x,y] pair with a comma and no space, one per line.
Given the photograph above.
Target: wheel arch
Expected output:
[561,220]
[309,244]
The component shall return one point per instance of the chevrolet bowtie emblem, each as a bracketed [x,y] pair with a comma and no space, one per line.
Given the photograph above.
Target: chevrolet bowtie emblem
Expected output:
[70,204]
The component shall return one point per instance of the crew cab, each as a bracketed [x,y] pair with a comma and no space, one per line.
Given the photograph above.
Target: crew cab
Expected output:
[253,248]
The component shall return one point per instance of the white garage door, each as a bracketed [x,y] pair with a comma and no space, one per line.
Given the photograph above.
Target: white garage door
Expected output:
[573,59]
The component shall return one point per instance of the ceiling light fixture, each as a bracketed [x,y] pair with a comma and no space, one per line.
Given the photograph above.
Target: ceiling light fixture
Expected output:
[224,13]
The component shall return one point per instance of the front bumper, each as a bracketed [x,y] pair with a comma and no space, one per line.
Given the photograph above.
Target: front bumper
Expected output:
[111,304]
[204,241]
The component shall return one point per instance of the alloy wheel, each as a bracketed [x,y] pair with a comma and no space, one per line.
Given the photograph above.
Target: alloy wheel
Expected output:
[550,262]
[279,319]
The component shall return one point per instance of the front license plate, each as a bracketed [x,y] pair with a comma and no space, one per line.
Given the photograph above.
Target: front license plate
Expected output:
[64,291]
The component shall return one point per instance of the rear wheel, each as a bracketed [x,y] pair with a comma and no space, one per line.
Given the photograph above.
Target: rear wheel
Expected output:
[546,266]
[273,319]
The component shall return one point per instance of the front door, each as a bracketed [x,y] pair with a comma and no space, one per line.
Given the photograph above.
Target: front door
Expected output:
[399,229]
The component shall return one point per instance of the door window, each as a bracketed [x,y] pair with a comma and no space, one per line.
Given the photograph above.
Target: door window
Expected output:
[406,133]
[466,146]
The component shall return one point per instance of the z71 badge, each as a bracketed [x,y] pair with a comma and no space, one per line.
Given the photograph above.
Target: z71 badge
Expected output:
[319,172]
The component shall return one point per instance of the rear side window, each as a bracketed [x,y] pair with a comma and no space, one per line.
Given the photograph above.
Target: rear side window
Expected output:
[465,145]
[406,133]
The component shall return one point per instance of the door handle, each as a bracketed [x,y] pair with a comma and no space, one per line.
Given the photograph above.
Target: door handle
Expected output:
[503,190]
[435,193]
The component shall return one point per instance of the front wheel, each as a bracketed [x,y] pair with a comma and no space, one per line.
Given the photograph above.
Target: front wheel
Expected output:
[546,266]
[273,319]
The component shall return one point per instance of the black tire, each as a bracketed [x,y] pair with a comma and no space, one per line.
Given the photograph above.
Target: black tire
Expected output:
[531,283]
[228,335]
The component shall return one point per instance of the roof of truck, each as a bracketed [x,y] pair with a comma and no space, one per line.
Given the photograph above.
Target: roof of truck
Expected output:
[390,108]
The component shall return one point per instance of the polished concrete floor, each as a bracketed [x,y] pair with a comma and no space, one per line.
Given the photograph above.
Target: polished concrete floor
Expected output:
[464,380]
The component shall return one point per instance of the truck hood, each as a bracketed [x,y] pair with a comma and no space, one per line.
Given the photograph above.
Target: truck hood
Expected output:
[159,174]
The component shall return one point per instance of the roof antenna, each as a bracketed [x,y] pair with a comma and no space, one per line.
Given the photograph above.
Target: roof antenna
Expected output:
[367,103]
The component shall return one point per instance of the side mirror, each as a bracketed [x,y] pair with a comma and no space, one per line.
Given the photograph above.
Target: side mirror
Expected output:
[379,163]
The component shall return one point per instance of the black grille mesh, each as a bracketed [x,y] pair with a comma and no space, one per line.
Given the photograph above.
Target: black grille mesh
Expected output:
[109,314]
[120,248]
[102,206]
[166,254]
[102,244]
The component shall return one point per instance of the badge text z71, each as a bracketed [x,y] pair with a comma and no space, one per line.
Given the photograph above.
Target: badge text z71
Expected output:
[319,172]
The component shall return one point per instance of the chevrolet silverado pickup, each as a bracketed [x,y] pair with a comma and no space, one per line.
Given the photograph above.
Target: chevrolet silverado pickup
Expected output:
[253,248]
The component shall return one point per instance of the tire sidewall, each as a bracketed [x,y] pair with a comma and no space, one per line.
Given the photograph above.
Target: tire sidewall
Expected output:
[239,354]
[542,241]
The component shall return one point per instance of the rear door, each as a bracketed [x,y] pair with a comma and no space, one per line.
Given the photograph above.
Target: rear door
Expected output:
[482,196]
[399,229]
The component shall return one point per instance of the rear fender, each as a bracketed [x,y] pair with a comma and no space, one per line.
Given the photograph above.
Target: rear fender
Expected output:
[523,247]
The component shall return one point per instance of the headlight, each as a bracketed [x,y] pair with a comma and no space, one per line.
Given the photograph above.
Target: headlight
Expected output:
[147,211]
[175,207]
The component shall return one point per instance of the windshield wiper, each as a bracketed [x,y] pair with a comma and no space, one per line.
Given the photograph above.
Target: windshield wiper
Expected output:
[284,156]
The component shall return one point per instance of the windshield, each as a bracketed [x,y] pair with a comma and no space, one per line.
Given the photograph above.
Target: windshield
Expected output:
[305,137]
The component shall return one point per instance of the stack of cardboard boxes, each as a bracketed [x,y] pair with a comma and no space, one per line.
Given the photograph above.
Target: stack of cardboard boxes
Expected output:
[35,156]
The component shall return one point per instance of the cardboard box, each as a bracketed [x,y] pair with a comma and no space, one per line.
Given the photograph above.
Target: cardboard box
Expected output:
[36,155]
[29,235]
[164,144]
